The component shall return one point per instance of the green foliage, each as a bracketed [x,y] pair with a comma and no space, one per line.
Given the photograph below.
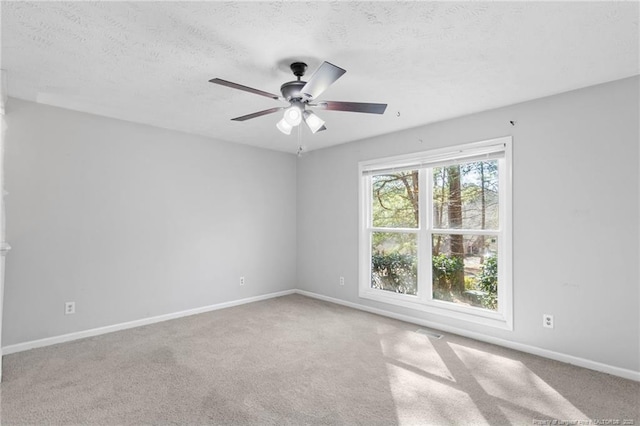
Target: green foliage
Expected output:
[390,242]
[395,200]
[398,272]
[469,283]
[440,294]
[445,267]
[464,196]
[477,194]
[488,282]
[395,272]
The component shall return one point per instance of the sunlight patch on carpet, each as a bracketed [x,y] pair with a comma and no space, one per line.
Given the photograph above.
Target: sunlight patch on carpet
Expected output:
[415,351]
[422,400]
[513,382]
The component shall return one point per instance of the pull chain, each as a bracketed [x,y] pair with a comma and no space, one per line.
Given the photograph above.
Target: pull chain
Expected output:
[299,153]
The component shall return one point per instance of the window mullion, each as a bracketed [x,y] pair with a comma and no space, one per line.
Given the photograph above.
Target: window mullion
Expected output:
[454,231]
[424,238]
[398,230]
[389,251]
[504,251]
[366,234]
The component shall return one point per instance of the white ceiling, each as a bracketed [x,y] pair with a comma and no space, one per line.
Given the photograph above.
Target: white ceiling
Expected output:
[150,62]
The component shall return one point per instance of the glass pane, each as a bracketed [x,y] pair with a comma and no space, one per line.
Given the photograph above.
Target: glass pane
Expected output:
[394,264]
[465,269]
[395,200]
[465,196]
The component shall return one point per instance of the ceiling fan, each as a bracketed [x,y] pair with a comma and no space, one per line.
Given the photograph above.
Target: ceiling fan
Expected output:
[301,94]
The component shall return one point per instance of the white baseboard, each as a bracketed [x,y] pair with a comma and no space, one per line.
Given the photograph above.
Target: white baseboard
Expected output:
[19,347]
[569,359]
[581,362]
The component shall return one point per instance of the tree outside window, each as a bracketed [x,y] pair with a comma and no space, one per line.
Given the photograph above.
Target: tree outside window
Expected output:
[463,226]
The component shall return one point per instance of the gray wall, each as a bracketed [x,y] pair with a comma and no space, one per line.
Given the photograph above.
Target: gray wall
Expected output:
[575,218]
[131,221]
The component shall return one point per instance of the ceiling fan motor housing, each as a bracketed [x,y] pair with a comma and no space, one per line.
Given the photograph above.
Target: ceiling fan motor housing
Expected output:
[291,90]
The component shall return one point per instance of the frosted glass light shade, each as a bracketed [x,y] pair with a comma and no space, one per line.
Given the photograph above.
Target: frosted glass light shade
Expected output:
[284,127]
[314,122]
[293,116]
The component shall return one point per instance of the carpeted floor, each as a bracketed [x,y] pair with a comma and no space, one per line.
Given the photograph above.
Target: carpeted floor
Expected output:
[295,360]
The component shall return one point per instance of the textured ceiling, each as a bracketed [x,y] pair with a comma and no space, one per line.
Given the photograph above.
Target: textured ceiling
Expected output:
[150,62]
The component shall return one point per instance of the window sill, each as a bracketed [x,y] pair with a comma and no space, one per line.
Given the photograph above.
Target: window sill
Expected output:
[469,314]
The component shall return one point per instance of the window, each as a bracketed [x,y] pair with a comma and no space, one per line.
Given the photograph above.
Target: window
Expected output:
[435,231]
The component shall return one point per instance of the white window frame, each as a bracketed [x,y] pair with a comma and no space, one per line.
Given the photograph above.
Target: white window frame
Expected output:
[424,301]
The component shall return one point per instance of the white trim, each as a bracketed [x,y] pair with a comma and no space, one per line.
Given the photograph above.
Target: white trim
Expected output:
[499,148]
[19,347]
[425,271]
[395,230]
[453,231]
[545,353]
[505,244]
[580,362]
[487,149]
[439,307]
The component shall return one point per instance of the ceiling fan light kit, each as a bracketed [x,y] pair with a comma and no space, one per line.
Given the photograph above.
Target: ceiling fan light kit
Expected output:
[284,127]
[314,122]
[293,115]
[300,93]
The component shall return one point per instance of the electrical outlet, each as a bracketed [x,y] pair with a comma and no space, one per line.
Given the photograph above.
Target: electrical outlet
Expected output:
[69,308]
[341,280]
[547,321]
[241,280]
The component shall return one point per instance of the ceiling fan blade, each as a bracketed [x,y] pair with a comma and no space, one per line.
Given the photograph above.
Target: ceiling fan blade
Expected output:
[352,107]
[245,88]
[324,77]
[257,114]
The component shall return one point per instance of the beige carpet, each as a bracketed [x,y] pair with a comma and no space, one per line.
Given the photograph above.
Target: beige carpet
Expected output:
[295,360]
